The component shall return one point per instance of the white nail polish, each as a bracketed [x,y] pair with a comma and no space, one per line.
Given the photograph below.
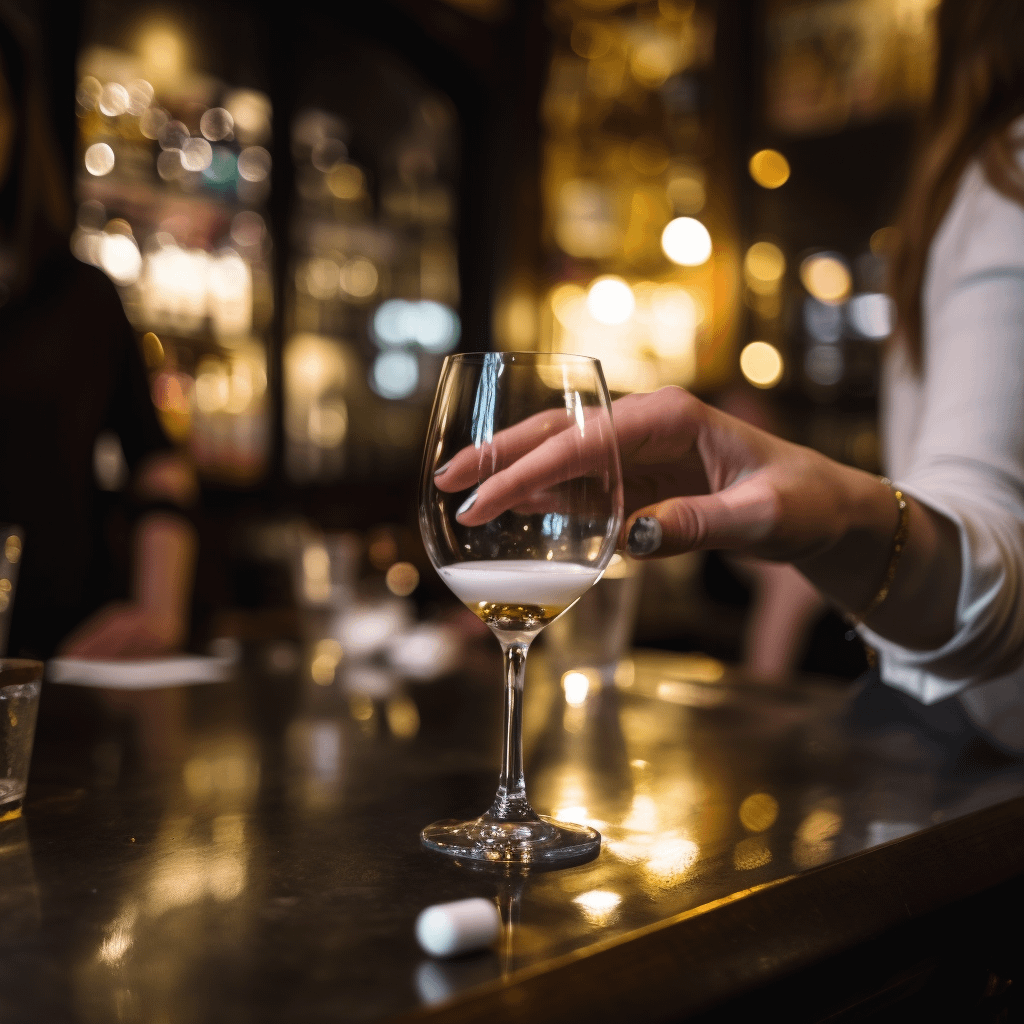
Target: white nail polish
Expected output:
[466,505]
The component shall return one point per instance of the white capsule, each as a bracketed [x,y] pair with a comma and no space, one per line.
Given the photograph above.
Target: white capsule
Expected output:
[448,929]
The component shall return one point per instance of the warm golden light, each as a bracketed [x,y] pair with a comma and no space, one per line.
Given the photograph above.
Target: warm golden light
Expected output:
[358,277]
[346,181]
[686,241]
[566,302]
[152,351]
[576,686]
[675,316]
[402,579]
[99,159]
[610,300]
[751,853]
[599,906]
[12,549]
[326,656]
[815,837]
[763,267]
[769,168]
[882,241]
[162,51]
[686,191]
[653,61]
[761,363]
[591,40]
[648,155]
[403,717]
[826,277]
[759,811]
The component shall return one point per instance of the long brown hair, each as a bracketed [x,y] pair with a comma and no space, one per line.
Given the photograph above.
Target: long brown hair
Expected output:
[979,91]
[35,204]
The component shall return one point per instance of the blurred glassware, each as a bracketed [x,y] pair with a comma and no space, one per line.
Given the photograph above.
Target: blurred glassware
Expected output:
[597,631]
[325,569]
[12,539]
[20,683]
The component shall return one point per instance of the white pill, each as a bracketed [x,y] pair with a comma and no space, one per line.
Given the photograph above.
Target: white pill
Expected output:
[448,929]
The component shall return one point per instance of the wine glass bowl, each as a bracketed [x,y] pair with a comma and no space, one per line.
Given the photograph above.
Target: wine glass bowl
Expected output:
[520,510]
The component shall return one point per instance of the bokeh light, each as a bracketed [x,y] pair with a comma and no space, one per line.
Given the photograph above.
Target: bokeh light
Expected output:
[402,579]
[431,325]
[395,375]
[196,155]
[823,320]
[120,258]
[216,124]
[346,181]
[686,191]
[758,812]
[882,241]
[763,267]
[113,99]
[152,122]
[162,51]
[610,300]
[254,163]
[826,276]
[576,686]
[250,111]
[173,135]
[761,363]
[824,365]
[871,315]
[769,168]
[675,316]
[358,277]
[99,159]
[140,96]
[686,241]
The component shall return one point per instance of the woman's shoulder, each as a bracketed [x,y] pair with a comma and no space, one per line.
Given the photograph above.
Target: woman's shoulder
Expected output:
[981,233]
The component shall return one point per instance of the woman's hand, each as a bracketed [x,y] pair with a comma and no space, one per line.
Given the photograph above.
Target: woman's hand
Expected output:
[696,478]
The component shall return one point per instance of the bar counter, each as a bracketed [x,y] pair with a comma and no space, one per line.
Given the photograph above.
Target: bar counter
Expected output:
[248,851]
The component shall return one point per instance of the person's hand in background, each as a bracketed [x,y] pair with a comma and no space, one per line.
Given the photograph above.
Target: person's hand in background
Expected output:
[156,620]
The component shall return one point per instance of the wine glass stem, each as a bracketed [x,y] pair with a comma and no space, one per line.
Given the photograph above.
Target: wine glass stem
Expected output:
[510,803]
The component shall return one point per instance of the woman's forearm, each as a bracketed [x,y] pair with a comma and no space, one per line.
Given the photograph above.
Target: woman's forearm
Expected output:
[920,609]
[165,554]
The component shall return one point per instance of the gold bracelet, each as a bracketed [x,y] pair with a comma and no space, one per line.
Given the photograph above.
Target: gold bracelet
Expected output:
[899,542]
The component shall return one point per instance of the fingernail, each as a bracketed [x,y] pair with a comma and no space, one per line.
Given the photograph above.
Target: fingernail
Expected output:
[466,505]
[644,537]
[442,469]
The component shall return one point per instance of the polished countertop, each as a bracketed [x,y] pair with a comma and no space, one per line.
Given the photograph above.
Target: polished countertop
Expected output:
[248,850]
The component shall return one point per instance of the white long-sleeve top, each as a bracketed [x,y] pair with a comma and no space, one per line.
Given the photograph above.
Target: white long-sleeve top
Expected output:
[954,438]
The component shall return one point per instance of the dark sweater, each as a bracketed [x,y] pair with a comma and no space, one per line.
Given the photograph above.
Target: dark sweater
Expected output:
[70,368]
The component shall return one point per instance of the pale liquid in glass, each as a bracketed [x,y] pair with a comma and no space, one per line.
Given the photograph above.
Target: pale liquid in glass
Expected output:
[518,595]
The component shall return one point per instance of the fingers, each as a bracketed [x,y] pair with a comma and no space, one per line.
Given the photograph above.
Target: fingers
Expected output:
[658,428]
[566,456]
[651,429]
[741,516]
[475,463]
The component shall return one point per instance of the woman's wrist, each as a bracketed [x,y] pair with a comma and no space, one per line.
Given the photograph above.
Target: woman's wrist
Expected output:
[853,567]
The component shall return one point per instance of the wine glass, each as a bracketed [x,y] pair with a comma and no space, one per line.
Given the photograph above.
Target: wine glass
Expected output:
[520,509]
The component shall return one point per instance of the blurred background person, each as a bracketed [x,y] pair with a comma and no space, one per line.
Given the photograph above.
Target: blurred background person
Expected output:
[70,369]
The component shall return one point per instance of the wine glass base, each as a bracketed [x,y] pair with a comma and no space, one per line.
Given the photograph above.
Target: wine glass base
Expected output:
[542,841]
